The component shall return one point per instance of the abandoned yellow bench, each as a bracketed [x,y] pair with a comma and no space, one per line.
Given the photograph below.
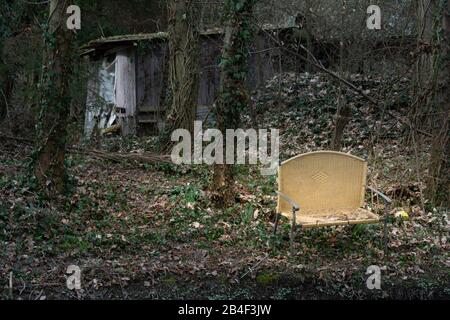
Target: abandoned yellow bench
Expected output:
[325,188]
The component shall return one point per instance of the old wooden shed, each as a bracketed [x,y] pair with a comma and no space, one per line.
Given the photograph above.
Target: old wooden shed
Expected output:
[129,74]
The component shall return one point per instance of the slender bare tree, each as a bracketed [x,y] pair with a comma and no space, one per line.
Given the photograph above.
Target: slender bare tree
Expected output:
[344,111]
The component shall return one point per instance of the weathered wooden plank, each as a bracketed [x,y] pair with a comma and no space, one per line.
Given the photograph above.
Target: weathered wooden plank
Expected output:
[126,89]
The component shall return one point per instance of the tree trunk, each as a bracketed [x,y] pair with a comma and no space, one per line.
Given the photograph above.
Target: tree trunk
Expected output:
[426,14]
[342,119]
[55,100]
[344,111]
[232,96]
[183,67]
[6,84]
[438,169]
[6,89]
[426,11]
[308,28]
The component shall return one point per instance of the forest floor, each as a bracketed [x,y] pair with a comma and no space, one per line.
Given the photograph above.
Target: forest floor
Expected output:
[151,231]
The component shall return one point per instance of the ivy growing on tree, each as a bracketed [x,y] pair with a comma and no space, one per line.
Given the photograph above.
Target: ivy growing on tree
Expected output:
[233,97]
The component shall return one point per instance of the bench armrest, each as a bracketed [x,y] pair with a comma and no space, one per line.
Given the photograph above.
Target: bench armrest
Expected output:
[285,197]
[386,199]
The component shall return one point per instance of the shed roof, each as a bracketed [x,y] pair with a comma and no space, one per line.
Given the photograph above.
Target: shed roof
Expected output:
[127,39]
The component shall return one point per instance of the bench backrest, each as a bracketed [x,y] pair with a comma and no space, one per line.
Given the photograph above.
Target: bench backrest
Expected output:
[323,180]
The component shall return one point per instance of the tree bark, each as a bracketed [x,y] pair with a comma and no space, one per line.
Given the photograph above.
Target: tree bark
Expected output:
[344,112]
[233,96]
[6,89]
[308,28]
[342,119]
[438,169]
[426,14]
[6,84]
[183,67]
[426,11]
[55,100]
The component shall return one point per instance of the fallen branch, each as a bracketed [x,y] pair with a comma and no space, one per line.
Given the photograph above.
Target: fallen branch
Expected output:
[144,157]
